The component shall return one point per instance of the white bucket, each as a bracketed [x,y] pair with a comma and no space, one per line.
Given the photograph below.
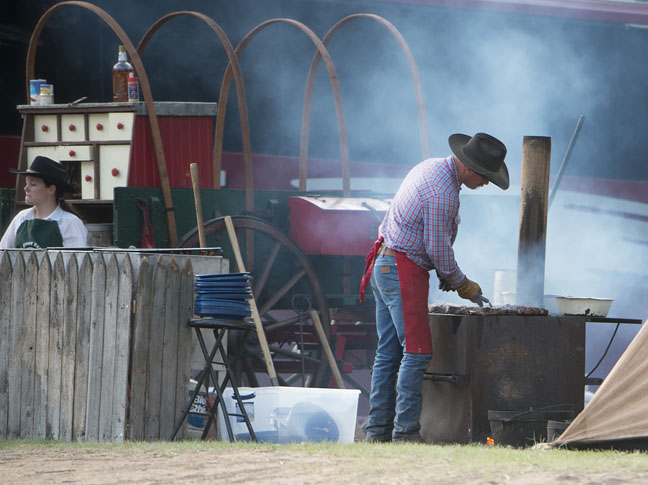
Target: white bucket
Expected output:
[504,287]
[100,235]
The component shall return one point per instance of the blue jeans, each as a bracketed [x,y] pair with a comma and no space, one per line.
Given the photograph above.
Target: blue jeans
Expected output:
[397,377]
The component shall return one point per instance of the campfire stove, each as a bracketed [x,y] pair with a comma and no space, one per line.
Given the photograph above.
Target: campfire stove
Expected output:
[483,363]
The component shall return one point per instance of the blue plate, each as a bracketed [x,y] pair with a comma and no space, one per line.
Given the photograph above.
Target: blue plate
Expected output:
[221,284]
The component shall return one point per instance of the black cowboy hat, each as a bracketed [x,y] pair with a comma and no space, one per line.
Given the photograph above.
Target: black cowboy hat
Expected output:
[50,171]
[483,154]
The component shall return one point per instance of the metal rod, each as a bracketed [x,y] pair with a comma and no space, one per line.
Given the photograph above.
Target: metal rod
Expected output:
[563,165]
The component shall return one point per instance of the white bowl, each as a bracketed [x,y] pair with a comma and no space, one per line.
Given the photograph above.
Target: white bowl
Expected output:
[573,305]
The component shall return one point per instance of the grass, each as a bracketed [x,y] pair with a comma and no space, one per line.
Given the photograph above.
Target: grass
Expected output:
[472,459]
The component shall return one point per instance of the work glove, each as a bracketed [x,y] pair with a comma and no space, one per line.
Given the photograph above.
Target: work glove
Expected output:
[469,290]
[443,283]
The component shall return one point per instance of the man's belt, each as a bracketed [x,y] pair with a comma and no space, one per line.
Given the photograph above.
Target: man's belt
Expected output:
[384,250]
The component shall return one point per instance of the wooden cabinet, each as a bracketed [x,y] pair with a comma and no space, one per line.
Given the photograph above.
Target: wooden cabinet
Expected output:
[92,140]
[108,145]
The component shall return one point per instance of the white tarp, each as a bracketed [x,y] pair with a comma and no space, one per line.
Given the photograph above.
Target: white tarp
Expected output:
[619,409]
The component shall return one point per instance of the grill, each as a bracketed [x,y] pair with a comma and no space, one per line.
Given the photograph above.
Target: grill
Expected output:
[506,362]
[501,363]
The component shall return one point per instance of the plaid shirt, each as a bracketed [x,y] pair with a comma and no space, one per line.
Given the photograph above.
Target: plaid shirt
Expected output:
[423,218]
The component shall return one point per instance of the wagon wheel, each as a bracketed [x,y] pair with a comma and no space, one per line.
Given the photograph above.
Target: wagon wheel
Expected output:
[285,288]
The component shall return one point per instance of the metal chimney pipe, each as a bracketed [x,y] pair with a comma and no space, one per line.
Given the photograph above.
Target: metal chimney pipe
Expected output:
[534,196]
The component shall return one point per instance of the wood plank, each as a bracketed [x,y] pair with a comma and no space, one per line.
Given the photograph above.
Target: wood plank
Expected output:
[185,311]
[95,357]
[170,350]
[122,342]
[42,347]
[154,384]
[55,348]
[18,326]
[317,323]
[109,338]
[5,340]
[141,332]
[82,349]
[255,312]
[28,346]
[532,241]
[69,348]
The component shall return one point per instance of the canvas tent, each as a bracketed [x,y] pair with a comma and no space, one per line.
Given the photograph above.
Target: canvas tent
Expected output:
[617,415]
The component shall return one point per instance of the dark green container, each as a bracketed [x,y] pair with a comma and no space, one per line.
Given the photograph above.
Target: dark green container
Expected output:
[555,429]
[524,428]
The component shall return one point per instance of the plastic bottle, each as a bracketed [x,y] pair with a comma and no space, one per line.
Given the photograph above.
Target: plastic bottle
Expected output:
[120,77]
[133,88]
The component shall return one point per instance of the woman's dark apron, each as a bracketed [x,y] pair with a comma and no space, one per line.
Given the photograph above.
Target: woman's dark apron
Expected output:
[39,233]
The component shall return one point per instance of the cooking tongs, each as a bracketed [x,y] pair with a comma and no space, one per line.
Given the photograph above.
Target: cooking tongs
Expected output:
[481,299]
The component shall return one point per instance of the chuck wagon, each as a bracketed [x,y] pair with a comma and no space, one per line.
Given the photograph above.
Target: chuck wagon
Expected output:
[305,250]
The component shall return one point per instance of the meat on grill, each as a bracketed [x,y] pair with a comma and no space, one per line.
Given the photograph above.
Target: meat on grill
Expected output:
[447,309]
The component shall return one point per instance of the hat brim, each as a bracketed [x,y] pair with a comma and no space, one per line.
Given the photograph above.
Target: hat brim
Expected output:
[62,186]
[500,178]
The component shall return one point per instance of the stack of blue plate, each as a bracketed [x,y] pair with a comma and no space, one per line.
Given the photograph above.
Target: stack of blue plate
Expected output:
[222,295]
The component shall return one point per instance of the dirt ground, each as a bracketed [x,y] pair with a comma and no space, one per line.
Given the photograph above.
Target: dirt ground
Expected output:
[393,464]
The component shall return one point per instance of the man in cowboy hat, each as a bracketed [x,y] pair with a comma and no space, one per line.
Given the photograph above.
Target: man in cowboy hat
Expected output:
[415,237]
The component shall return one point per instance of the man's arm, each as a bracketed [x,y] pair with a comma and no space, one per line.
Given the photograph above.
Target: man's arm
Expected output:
[440,213]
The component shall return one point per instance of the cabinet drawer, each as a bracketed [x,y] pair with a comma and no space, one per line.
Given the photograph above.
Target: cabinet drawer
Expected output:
[113,169]
[45,128]
[47,151]
[87,180]
[74,153]
[98,126]
[73,127]
[120,125]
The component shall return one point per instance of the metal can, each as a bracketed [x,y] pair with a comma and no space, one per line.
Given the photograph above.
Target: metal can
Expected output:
[34,90]
[46,94]
[133,88]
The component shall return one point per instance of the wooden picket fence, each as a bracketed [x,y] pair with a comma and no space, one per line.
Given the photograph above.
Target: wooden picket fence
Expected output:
[92,347]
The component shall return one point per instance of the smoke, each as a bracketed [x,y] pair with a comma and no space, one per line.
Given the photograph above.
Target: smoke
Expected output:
[509,75]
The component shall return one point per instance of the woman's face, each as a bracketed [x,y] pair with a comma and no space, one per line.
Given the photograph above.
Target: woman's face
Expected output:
[36,192]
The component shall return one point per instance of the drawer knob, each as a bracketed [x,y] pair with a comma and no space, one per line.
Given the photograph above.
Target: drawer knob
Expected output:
[44,128]
[72,128]
[88,178]
[72,153]
[99,127]
[120,126]
[114,172]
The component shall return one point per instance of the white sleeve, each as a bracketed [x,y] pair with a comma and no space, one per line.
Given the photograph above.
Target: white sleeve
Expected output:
[9,239]
[74,232]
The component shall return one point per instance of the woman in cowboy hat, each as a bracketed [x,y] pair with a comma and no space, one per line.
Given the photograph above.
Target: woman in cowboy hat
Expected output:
[415,237]
[49,222]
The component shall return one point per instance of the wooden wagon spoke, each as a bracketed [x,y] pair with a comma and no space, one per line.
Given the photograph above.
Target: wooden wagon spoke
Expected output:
[282,291]
[259,283]
[293,355]
[294,378]
[281,323]
[249,250]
